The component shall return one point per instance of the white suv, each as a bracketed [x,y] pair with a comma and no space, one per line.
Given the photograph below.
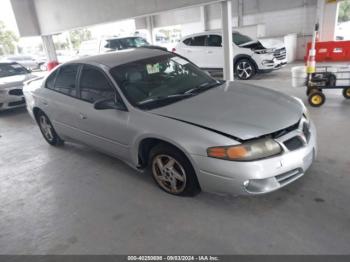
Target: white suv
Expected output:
[250,56]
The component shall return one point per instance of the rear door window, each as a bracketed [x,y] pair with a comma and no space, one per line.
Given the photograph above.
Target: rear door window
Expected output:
[66,80]
[195,41]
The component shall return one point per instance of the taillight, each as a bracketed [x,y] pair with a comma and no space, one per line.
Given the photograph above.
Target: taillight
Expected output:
[173,50]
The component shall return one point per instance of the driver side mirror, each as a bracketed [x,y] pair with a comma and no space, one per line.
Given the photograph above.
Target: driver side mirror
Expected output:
[110,103]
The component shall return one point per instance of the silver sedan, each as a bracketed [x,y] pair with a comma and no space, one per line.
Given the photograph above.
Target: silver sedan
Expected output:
[12,77]
[157,111]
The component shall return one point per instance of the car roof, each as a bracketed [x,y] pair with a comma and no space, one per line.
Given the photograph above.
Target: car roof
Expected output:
[120,57]
[120,37]
[217,31]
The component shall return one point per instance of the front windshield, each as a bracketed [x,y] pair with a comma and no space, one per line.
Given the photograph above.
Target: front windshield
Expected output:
[240,39]
[12,70]
[161,80]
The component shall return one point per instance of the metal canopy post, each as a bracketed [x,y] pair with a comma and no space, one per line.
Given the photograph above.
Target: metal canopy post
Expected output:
[203,17]
[150,26]
[226,20]
[50,51]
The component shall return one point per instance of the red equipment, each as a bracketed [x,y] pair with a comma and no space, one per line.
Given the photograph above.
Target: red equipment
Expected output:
[330,51]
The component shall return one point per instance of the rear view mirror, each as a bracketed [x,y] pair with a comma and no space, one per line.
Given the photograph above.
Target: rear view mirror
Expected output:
[108,104]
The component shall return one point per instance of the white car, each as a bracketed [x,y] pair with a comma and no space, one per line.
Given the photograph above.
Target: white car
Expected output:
[12,78]
[250,56]
[25,60]
[105,45]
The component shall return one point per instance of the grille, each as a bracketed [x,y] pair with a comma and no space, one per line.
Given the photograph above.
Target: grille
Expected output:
[280,54]
[285,178]
[16,92]
[294,143]
[17,103]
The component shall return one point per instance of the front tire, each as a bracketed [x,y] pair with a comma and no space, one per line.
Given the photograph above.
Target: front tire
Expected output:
[346,93]
[172,171]
[48,130]
[244,69]
[316,99]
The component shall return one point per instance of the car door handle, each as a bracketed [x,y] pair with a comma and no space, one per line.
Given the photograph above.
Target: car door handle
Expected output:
[209,52]
[82,116]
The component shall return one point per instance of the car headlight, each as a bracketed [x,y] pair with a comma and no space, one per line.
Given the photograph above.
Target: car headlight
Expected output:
[265,51]
[249,151]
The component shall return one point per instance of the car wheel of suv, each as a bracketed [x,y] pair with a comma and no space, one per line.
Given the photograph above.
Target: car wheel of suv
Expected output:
[244,69]
[346,93]
[47,130]
[172,171]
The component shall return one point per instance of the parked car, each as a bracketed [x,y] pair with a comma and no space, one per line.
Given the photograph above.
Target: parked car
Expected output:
[104,45]
[250,56]
[27,61]
[12,77]
[157,111]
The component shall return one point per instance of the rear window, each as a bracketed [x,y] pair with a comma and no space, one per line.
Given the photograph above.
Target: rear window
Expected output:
[50,82]
[12,70]
[66,79]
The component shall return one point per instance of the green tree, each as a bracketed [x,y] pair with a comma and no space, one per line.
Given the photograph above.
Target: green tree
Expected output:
[344,11]
[79,35]
[8,40]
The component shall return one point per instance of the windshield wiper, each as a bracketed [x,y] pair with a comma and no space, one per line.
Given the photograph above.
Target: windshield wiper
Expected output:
[160,98]
[203,87]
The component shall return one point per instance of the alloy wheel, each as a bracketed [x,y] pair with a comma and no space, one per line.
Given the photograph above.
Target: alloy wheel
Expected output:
[46,128]
[244,70]
[169,174]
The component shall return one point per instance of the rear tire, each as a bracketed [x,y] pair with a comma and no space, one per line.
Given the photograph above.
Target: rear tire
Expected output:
[172,171]
[244,69]
[47,130]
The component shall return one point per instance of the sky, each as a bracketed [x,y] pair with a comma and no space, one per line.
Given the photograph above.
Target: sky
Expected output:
[7,16]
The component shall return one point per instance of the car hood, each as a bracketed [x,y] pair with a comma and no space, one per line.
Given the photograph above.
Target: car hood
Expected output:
[12,81]
[272,43]
[240,110]
[263,43]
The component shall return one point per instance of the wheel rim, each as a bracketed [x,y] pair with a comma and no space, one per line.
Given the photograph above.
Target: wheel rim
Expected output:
[244,70]
[316,99]
[46,128]
[347,92]
[169,174]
